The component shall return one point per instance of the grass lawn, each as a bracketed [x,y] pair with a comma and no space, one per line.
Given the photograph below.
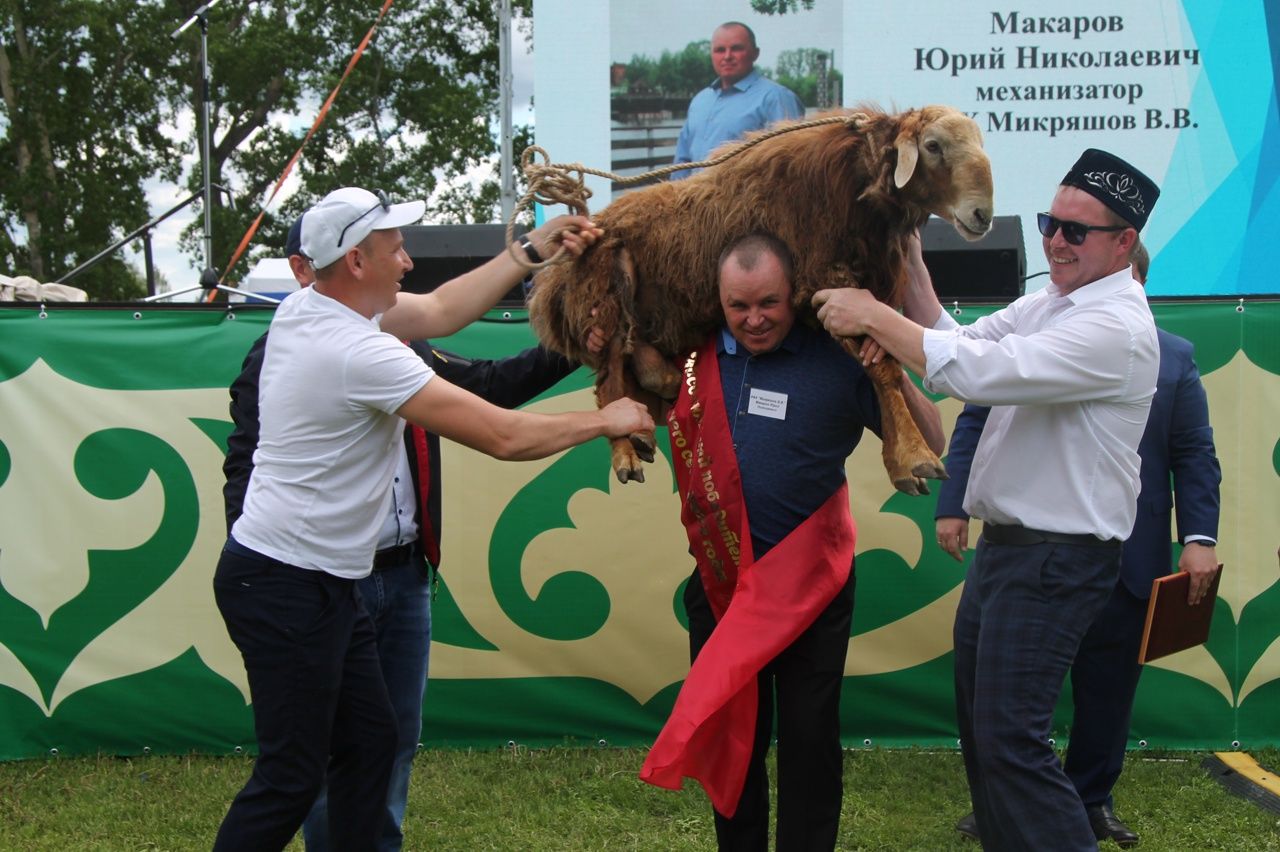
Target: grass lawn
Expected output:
[586,799]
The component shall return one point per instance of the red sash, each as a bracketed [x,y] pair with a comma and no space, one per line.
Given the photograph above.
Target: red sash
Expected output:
[711,506]
[711,730]
[426,529]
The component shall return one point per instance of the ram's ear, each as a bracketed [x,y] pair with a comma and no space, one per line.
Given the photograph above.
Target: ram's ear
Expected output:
[908,153]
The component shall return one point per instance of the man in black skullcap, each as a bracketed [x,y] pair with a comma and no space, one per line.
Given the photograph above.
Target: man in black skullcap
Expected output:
[1069,372]
[1178,457]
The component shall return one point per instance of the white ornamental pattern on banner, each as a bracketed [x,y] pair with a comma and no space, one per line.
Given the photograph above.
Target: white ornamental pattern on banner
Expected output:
[53,522]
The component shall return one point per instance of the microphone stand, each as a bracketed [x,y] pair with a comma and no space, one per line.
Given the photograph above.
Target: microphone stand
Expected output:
[209,277]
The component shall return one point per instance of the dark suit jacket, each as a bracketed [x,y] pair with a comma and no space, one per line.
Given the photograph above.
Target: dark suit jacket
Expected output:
[506,382]
[1178,442]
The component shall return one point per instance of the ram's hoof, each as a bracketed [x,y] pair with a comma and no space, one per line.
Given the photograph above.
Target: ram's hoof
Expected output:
[643,444]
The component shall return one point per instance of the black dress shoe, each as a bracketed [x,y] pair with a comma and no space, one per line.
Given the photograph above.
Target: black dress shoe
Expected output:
[1107,826]
[968,826]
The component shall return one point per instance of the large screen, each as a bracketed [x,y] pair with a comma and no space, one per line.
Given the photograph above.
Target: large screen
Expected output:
[1186,91]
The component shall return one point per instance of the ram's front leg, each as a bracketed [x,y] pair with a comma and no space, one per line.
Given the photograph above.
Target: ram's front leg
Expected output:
[616,380]
[906,454]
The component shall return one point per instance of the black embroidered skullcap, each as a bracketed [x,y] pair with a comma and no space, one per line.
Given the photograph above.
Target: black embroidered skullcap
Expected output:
[1123,189]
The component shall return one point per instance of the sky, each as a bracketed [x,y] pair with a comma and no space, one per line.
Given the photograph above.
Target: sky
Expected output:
[182,269]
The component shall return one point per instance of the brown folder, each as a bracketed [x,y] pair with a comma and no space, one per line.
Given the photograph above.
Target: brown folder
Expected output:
[1173,624]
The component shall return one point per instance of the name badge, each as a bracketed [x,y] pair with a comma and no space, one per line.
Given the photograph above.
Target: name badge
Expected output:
[768,404]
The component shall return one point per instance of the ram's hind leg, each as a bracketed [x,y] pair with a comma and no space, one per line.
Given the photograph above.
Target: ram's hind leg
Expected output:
[907,456]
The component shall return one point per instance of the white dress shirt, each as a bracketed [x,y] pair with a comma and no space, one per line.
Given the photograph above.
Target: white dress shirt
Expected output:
[400,526]
[1069,380]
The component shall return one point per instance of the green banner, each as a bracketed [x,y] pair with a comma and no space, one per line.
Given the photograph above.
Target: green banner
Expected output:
[558,618]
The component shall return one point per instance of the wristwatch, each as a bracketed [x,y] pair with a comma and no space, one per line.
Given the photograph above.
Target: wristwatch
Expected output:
[529,251]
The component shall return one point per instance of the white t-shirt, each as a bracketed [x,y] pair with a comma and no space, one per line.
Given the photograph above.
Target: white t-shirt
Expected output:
[1070,381]
[329,440]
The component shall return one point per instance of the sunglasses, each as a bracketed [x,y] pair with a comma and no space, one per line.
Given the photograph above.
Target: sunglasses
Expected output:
[1073,232]
[385,204]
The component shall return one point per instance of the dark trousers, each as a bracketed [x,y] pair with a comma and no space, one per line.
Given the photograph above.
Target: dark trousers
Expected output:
[804,681]
[1020,620]
[1104,680]
[320,709]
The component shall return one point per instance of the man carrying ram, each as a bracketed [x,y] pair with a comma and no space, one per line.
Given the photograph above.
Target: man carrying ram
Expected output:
[767,413]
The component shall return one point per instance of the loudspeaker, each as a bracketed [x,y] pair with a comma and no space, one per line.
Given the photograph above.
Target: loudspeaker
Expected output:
[443,252]
[993,269]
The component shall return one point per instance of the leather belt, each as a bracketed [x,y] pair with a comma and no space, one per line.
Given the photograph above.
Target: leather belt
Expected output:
[1019,536]
[390,557]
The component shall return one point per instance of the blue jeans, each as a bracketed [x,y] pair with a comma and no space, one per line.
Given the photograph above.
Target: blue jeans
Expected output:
[398,599]
[320,710]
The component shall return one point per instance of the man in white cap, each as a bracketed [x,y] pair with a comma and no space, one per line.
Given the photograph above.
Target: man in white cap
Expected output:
[333,390]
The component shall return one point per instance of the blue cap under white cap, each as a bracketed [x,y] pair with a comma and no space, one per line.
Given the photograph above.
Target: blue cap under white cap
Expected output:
[293,242]
[351,213]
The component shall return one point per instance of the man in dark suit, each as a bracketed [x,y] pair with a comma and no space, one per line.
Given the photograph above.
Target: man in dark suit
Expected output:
[398,592]
[1178,441]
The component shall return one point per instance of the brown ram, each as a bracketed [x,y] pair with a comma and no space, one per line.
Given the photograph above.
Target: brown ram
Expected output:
[845,197]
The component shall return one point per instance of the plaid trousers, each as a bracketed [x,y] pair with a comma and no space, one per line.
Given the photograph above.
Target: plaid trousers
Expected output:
[1020,620]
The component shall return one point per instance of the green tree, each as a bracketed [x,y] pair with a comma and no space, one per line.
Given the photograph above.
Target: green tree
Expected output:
[466,202]
[414,116]
[79,133]
[780,7]
[681,73]
[797,69]
[87,86]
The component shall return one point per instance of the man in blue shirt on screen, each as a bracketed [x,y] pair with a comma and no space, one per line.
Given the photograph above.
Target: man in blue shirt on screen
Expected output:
[738,101]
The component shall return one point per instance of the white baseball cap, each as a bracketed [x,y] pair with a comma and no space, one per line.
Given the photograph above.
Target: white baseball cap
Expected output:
[346,216]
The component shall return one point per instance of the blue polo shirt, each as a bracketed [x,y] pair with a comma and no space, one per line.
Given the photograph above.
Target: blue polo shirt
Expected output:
[719,115]
[796,414]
